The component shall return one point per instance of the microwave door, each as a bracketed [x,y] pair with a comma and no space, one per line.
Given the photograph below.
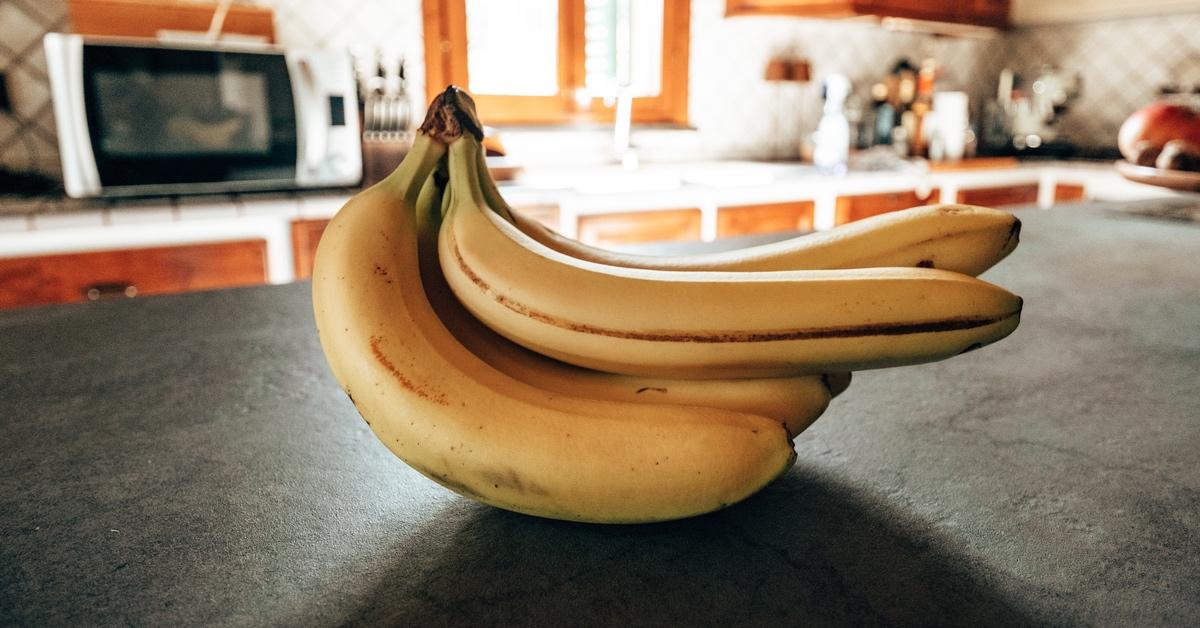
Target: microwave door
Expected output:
[64,65]
[173,120]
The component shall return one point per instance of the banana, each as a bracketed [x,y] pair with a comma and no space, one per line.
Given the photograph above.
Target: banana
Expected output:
[966,239]
[704,324]
[473,429]
[794,401]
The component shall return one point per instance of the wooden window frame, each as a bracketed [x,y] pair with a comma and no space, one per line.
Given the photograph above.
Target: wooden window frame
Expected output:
[445,24]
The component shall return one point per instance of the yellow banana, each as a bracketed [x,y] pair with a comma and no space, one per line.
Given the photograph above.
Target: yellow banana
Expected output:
[962,238]
[794,401]
[459,421]
[704,324]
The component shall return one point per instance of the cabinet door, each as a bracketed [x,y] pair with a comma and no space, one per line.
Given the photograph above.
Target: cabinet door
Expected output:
[1068,193]
[1000,196]
[803,8]
[986,12]
[977,12]
[306,234]
[769,218]
[99,275]
[857,207]
[640,226]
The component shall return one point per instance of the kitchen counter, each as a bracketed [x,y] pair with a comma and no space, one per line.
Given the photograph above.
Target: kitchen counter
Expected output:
[53,225]
[190,460]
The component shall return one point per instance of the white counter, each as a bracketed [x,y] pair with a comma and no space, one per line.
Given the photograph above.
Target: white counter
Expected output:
[37,228]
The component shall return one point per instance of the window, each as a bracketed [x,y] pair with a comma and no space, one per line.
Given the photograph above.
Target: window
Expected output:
[559,61]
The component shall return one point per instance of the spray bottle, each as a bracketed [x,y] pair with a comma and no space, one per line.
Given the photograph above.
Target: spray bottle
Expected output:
[831,141]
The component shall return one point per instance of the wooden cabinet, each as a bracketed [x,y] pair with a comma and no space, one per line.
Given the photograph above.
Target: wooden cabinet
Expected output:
[1068,193]
[640,226]
[768,218]
[974,12]
[126,273]
[859,206]
[306,234]
[1025,194]
[146,18]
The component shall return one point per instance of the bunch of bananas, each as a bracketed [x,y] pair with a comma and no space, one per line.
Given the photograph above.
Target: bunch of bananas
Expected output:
[536,374]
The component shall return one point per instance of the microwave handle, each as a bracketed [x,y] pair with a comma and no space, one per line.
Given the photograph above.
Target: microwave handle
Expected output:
[314,122]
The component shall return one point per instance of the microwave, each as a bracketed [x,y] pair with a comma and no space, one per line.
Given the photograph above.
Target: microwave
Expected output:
[141,117]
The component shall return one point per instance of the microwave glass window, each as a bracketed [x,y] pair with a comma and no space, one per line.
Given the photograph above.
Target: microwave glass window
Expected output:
[163,116]
[183,113]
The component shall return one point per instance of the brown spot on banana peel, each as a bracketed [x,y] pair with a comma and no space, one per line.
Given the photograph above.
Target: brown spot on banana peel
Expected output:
[421,391]
[511,480]
[816,333]
[651,388]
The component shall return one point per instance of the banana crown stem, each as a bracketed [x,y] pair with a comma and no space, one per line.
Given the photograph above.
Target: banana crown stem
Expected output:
[464,174]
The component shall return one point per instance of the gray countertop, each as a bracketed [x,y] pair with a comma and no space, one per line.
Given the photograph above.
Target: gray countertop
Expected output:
[189,459]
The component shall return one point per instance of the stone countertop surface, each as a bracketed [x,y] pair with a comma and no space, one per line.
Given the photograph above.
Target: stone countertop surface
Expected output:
[190,460]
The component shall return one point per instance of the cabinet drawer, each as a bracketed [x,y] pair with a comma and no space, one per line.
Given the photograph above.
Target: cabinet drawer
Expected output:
[1001,196]
[1068,193]
[640,226]
[857,207]
[768,218]
[306,234]
[97,275]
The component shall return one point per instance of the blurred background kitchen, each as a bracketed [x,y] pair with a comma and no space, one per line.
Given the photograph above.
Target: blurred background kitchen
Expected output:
[730,122]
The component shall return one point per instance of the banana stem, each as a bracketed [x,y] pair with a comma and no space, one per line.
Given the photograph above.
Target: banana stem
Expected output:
[464,175]
[416,167]
[451,116]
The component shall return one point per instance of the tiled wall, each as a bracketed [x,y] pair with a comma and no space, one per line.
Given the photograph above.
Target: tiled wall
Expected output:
[736,113]
[27,136]
[1122,64]
[739,114]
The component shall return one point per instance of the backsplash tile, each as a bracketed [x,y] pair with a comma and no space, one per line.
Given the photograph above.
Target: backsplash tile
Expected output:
[736,113]
[27,137]
[1123,63]
[740,115]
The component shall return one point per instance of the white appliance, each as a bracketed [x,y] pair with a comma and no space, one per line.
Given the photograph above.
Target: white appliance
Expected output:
[138,117]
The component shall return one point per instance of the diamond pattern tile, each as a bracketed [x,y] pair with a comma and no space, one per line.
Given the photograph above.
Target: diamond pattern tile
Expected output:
[1122,64]
[26,142]
[47,13]
[737,113]
[17,29]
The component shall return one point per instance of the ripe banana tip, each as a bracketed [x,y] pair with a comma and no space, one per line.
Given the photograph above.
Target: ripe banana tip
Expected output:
[837,383]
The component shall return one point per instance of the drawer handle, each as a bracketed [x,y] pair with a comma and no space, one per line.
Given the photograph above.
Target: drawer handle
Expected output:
[106,291]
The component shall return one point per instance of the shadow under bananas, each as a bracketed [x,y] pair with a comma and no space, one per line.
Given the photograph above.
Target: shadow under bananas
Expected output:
[807,550]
